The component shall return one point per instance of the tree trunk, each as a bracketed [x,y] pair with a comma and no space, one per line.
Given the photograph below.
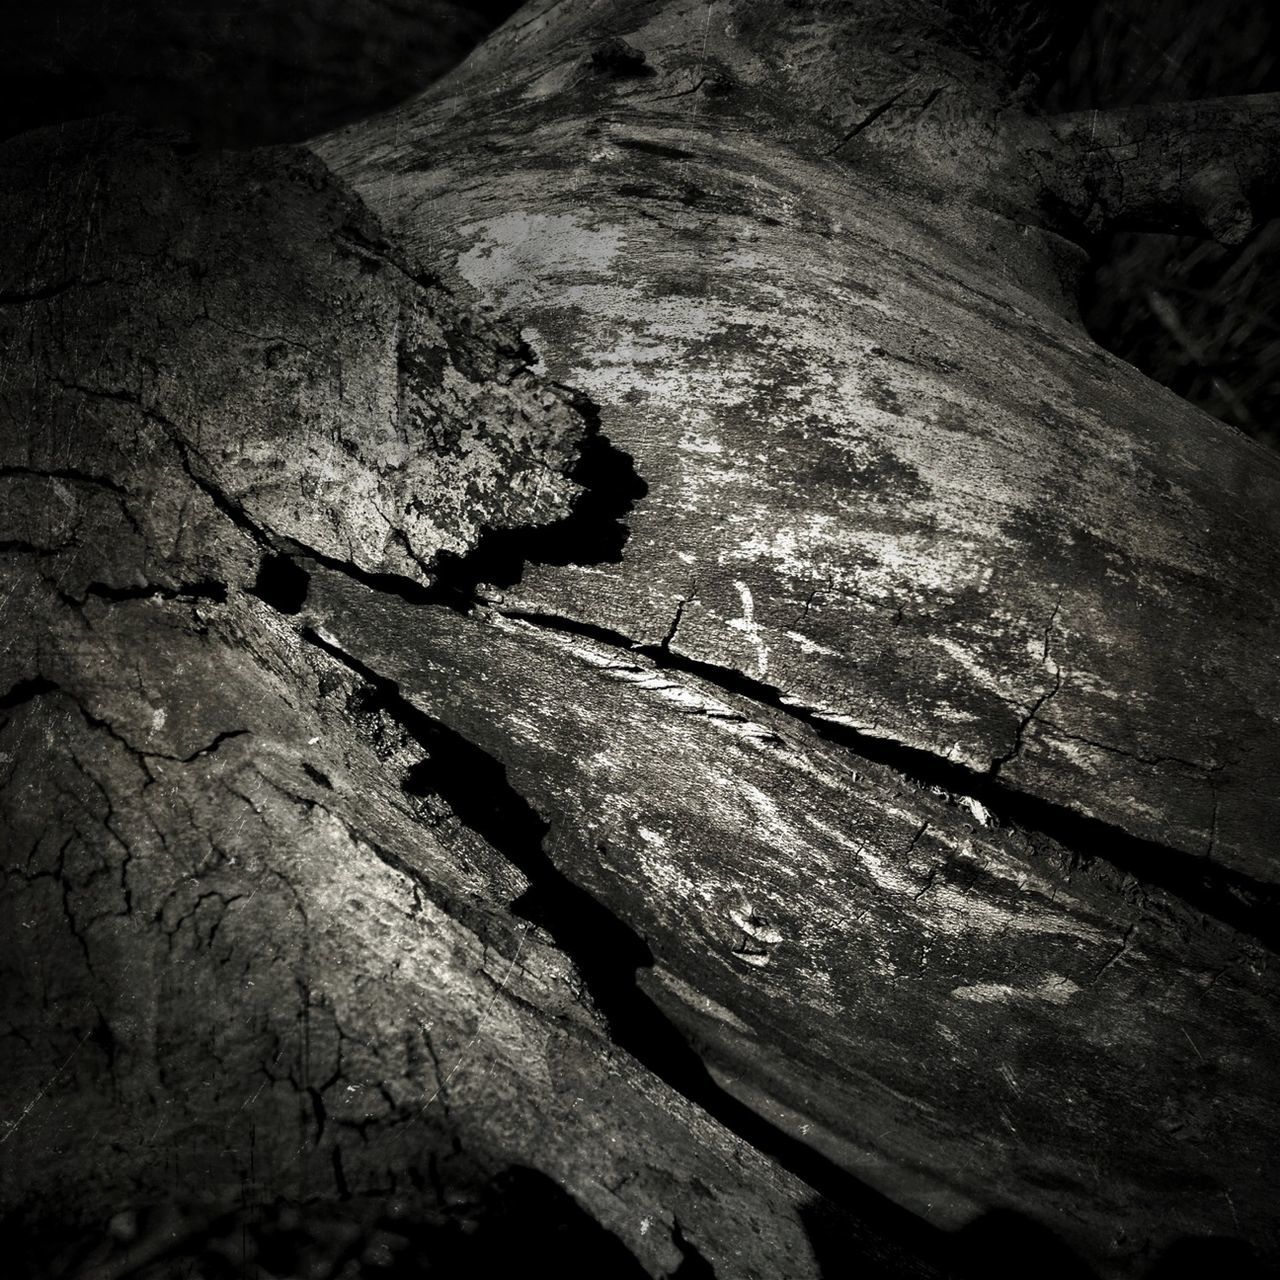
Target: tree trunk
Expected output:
[629,634]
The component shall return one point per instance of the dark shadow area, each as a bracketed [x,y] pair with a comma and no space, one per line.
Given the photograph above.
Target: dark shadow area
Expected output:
[1001,1245]
[1004,1245]
[282,583]
[519,1222]
[1201,318]
[1208,1258]
[231,74]
[693,1266]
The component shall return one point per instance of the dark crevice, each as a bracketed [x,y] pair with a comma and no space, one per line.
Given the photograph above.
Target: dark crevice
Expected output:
[610,487]
[693,1265]
[42,293]
[319,778]
[339,1174]
[593,532]
[877,111]
[63,473]
[1231,897]
[208,749]
[618,59]
[653,149]
[26,691]
[319,1112]
[392,584]
[282,583]
[608,952]
[867,121]
[1033,711]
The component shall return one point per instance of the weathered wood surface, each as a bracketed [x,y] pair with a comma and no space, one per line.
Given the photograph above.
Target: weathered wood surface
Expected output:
[887,476]
[1205,166]
[731,861]
[960,1015]
[240,958]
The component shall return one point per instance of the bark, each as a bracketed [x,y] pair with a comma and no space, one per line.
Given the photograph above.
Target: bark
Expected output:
[779,743]
[1203,167]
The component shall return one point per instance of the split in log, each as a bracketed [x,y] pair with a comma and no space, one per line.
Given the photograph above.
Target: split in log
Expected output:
[655,655]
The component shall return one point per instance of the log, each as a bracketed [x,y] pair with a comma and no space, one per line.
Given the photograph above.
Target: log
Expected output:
[611,624]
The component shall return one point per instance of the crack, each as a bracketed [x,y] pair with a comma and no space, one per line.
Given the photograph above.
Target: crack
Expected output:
[1110,748]
[998,762]
[232,510]
[26,690]
[868,120]
[608,953]
[609,487]
[21,297]
[691,598]
[1048,632]
[139,753]
[205,590]
[1232,897]
[693,1263]
[207,750]
[1115,955]
[877,111]
[63,473]
[1212,841]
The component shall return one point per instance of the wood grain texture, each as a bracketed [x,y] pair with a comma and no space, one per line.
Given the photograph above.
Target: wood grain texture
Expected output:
[241,957]
[960,1015]
[887,475]
[688,673]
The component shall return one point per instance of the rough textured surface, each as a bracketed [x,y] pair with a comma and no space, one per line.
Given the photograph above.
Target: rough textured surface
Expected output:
[783,756]
[298,371]
[887,477]
[960,1015]
[1206,166]
[279,970]
[248,953]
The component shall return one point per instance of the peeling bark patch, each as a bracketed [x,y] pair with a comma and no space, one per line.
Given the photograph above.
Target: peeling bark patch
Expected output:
[331,399]
[594,532]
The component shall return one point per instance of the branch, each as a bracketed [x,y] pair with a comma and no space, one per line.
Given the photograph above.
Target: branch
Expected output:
[1200,168]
